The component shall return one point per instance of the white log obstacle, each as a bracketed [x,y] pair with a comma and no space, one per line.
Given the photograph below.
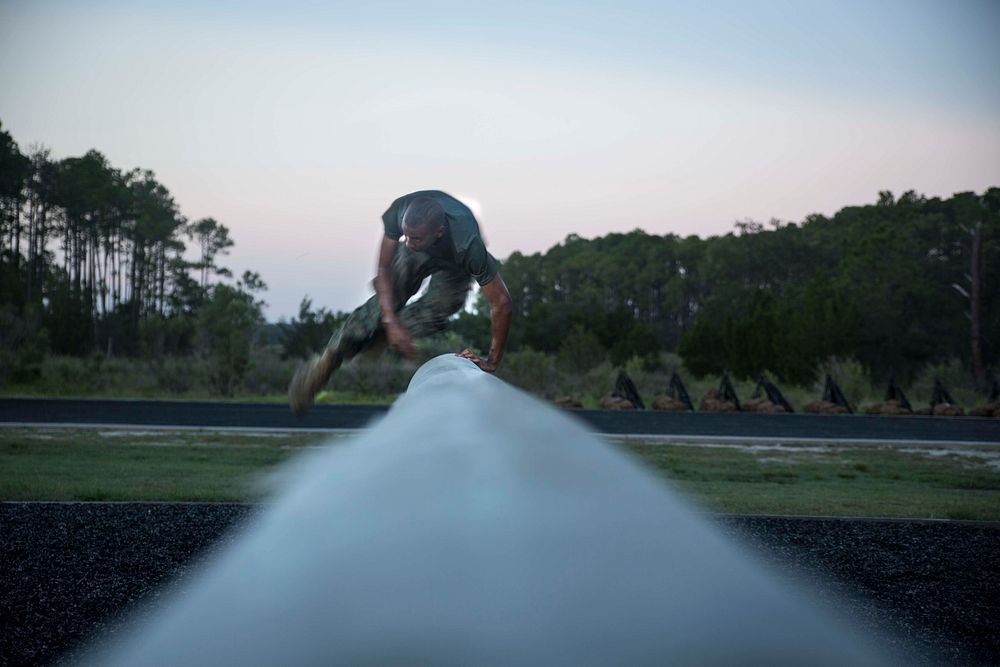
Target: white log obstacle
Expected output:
[476,525]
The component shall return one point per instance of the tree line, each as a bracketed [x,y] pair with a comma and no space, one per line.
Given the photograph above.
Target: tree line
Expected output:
[92,258]
[897,284]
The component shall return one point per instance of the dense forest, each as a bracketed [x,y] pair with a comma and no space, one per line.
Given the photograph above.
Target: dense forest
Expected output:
[93,263]
[897,285]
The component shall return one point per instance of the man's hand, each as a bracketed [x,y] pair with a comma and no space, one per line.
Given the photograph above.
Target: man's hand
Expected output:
[484,364]
[400,339]
[397,335]
[496,293]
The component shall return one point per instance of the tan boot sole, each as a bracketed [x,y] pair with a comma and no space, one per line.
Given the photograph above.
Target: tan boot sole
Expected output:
[309,379]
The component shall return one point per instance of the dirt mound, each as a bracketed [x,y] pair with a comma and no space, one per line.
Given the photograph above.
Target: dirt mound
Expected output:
[992,406]
[567,402]
[895,402]
[767,398]
[947,410]
[822,407]
[723,399]
[676,399]
[986,410]
[612,402]
[833,402]
[891,407]
[763,405]
[713,401]
[942,404]
[625,390]
[667,403]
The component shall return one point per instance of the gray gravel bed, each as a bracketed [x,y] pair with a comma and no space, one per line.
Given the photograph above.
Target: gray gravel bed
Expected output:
[931,588]
[71,569]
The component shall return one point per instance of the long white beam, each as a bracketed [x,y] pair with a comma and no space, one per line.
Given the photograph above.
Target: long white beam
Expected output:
[476,525]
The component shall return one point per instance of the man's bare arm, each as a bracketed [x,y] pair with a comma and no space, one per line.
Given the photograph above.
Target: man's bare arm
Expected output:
[399,338]
[496,293]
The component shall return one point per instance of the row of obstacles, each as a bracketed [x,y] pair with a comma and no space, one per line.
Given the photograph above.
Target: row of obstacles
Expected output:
[941,405]
[767,398]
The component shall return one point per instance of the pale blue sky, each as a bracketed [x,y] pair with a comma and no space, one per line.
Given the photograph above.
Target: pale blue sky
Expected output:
[296,125]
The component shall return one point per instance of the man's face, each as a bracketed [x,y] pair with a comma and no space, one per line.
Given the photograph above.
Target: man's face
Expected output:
[420,239]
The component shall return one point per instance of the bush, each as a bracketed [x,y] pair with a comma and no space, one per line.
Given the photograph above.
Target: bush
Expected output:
[306,335]
[378,375]
[447,342]
[268,372]
[226,325]
[81,376]
[580,351]
[163,336]
[23,344]
[532,371]
[182,375]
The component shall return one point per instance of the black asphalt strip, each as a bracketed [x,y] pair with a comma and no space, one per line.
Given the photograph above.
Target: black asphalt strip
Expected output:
[71,569]
[207,414]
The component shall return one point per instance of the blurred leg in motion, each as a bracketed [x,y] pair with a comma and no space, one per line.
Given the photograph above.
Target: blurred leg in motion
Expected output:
[310,378]
[445,296]
[363,332]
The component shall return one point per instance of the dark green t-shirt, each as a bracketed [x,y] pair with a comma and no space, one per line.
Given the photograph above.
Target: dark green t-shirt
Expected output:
[462,244]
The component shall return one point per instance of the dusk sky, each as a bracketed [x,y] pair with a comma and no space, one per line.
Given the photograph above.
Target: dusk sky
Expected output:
[296,124]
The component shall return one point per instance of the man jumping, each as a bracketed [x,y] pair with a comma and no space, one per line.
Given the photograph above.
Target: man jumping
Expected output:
[443,242]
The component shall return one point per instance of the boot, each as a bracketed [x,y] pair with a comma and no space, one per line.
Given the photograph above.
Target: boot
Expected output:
[310,378]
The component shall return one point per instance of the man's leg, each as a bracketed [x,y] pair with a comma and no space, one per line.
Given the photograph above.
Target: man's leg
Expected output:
[445,296]
[361,331]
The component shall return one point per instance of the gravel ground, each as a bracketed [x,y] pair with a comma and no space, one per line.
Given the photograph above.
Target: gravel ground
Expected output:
[71,569]
[931,588]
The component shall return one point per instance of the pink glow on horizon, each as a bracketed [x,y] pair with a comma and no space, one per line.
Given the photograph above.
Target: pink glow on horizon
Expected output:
[298,139]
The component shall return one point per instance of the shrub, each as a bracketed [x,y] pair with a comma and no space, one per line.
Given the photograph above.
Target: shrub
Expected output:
[226,324]
[182,375]
[532,371]
[23,344]
[378,375]
[268,372]
[580,351]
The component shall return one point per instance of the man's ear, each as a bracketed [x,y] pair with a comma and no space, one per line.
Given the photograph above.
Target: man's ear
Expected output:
[440,233]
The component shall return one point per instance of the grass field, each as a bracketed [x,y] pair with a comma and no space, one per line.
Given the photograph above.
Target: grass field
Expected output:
[852,480]
[122,465]
[323,398]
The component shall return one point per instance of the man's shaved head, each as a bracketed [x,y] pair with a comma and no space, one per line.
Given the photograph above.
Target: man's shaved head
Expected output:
[424,214]
[423,223]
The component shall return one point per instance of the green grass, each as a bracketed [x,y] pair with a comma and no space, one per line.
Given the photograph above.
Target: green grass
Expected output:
[848,481]
[83,464]
[364,380]
[212,466]
[127,393]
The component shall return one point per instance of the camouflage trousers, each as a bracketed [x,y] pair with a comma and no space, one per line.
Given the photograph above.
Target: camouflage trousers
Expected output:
[445,296]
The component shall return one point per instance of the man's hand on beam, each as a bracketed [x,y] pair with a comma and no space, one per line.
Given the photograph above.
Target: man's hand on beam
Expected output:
[497,294]
[485,364]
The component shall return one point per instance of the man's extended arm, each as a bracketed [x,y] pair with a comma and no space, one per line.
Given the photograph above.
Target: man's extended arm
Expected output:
[399,338]
[496,293]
